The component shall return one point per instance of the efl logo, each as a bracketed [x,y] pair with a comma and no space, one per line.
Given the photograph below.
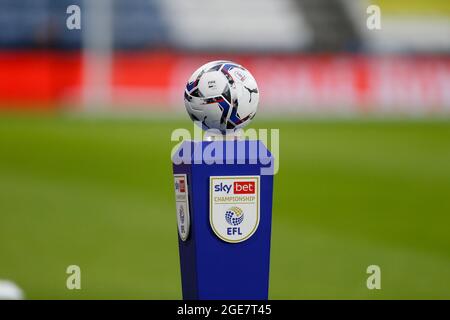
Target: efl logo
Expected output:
[244,187]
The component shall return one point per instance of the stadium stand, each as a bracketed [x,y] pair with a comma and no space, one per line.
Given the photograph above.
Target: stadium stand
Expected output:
[272,25]
[318,53]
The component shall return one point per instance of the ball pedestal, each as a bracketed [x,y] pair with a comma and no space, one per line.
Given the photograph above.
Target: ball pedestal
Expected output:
[224,213]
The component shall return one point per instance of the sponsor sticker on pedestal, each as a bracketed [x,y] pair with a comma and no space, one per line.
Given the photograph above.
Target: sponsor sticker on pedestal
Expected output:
[182,205]
[234,207]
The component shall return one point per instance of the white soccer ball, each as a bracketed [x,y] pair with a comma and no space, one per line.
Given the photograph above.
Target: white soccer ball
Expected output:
[221,95]
[10,291]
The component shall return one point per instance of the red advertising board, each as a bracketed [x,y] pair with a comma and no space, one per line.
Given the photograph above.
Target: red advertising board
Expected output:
[288,83]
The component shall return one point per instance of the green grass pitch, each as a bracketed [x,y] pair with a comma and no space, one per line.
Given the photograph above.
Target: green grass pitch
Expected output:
[350,193]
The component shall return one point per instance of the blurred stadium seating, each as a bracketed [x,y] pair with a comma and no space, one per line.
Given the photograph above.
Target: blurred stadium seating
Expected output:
[236,25]
[307,55]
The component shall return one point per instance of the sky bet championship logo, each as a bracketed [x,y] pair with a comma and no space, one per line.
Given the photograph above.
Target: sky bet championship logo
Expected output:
[234,207]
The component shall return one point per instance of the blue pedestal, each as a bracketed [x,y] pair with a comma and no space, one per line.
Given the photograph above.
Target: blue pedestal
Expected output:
[213,264]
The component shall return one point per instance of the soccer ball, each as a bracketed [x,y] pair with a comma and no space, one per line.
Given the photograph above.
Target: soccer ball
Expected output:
[221,95]
[10,291]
